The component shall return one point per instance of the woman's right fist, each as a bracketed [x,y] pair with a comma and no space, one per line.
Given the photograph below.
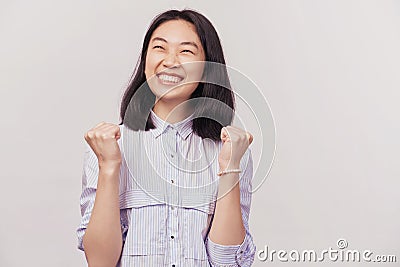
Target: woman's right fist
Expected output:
[103,141]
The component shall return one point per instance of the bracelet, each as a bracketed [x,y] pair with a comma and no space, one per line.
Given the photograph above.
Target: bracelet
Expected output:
[229,171]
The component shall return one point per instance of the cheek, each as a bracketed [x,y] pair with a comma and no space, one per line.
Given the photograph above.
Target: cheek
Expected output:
[151,61]
[146,68]
[194,71]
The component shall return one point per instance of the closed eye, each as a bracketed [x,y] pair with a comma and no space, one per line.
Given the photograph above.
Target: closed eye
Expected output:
[158,46]
[186,50]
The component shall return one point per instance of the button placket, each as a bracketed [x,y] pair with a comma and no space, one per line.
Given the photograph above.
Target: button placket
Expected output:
[170,146]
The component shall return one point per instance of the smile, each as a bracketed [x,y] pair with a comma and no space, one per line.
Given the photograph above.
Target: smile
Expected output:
[169,79]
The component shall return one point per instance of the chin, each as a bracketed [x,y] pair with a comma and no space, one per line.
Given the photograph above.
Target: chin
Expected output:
[180,93]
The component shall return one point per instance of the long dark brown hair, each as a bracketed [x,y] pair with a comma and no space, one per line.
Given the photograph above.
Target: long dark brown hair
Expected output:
[210,116]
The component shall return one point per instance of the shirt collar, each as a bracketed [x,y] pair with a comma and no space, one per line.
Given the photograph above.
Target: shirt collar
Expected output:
[184,127]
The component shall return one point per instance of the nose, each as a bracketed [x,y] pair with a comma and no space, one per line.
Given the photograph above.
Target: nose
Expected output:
[170,60]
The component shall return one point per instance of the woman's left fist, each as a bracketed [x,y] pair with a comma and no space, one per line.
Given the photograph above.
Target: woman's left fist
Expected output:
[235,141]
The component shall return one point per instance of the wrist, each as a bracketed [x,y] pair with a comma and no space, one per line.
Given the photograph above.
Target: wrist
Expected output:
[110,166]
[229,165]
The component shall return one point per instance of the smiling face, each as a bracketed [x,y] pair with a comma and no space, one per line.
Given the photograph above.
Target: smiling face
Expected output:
[169,73]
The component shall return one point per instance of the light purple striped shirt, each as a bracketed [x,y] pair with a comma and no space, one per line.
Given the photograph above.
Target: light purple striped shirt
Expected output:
[168,190]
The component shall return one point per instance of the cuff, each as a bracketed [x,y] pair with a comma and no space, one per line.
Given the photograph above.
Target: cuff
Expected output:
[80,234]
[231,255]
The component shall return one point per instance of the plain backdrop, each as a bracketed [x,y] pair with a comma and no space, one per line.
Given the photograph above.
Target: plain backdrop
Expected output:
[330,73]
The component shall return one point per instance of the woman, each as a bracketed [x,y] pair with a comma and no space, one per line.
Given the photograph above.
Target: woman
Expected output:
[153,192]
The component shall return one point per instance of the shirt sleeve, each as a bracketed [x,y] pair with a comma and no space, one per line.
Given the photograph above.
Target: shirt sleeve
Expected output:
[243,254]
[89,185]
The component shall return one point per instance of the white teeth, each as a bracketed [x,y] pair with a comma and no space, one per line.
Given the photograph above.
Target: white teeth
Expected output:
[168,78]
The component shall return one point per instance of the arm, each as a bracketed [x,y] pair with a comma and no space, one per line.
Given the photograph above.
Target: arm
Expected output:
[100,231]
[229,242]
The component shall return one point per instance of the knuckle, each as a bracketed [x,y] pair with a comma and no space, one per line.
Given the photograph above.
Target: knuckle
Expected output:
[99,124]
[97,134]
[90,134]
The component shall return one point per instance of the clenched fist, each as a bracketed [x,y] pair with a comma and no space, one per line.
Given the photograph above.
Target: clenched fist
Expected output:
[235,141]
[103,141]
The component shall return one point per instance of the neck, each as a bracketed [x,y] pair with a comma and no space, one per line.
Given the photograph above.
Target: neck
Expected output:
[172,112]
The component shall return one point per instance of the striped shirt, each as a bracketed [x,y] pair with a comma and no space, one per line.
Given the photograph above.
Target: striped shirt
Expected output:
[167,195]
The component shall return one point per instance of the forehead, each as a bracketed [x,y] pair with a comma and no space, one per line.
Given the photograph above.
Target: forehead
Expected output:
[177,31]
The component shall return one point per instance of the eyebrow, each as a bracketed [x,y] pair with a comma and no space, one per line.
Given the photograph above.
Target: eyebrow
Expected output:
[182,43]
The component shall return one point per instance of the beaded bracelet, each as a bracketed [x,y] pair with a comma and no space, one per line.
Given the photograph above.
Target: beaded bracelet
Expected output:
[229,171]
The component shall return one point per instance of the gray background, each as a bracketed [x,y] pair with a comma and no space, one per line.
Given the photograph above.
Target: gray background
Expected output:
[330,72]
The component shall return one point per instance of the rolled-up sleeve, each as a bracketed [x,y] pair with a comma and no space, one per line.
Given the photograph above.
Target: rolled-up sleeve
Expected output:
[89,185]
[243,254]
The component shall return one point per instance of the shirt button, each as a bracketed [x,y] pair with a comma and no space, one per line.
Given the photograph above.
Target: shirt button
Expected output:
[173,265]
[172,181]
[172,237]
[172,207]
[172,155]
